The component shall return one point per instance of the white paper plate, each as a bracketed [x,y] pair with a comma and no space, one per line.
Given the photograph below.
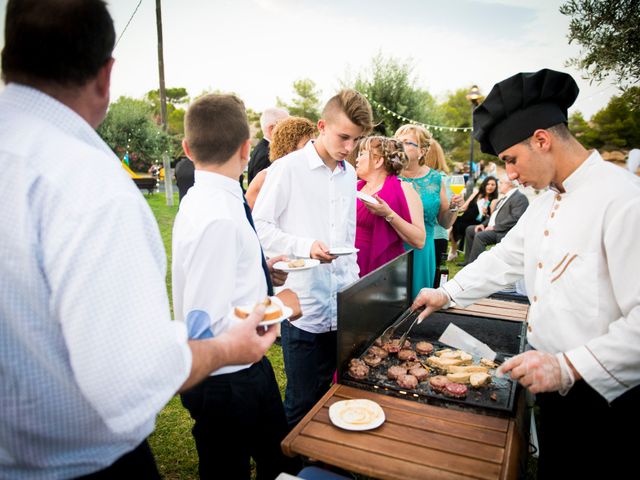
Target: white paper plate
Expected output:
[286,313]
[366,198]
[357,415]
[308,263]
[337,251]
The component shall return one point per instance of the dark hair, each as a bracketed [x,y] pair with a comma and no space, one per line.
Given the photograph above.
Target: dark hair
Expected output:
[483,188]
[215,126]
[61,41]
[560,130]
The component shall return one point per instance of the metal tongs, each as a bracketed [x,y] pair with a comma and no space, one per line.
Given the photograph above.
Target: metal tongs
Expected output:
[391,330]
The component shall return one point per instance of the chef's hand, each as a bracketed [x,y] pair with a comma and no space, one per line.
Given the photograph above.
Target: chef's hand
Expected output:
[540,371]
[320,251]
[433,299]
[278,277]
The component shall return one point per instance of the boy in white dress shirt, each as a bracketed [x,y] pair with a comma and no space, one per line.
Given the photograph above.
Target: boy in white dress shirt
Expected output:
[218,264]
[306,206]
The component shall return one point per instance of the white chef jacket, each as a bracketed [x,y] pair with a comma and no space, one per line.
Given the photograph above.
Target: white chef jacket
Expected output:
[216,259]
[579,255]
[88,352]
[302,201]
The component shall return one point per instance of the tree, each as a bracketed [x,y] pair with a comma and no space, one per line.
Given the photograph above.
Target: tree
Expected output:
[617,125]
[391,88]
[176,98]
[456,110]
[608,31]
[129,127]
[583,131]
[306,103]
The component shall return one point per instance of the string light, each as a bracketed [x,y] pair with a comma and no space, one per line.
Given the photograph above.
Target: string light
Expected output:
[415,122]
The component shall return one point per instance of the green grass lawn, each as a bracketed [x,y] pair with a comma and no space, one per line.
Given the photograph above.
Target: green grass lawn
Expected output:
[172,442]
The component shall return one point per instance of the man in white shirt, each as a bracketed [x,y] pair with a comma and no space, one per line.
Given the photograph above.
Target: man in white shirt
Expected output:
[217,264]
[576,248]
[88,352]
[307,206]
[507,212]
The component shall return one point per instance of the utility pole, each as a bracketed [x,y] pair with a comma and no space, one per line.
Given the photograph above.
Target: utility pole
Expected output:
[168,184]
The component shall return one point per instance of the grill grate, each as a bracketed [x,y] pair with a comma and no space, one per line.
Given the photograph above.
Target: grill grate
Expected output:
[503,388]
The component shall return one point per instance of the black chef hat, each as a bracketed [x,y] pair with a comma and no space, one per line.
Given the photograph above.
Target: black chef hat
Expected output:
[519,105]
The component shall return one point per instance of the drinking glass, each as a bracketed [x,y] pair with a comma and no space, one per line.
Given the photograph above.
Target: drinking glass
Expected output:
[456,184]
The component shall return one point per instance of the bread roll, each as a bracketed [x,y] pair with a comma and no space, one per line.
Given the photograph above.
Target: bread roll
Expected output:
[272,310]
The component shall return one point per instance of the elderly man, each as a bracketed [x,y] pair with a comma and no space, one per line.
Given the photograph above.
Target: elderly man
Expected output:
[581,278]
[89,354]
[505,214]
[259,159]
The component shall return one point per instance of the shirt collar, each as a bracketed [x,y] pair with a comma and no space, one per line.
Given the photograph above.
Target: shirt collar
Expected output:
[314,160]
[510,192]
[580,174]
[205,179]
[50,110]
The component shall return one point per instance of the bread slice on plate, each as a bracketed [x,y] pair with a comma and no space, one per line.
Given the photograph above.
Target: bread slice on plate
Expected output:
[272,310]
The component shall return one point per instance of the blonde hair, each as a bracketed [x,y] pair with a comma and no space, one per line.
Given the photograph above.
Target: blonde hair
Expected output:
[354,105]
[423,136]
[435,157]
[389,149]
[287,134]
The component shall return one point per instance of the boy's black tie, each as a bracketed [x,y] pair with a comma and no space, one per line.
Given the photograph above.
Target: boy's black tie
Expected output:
[267,276]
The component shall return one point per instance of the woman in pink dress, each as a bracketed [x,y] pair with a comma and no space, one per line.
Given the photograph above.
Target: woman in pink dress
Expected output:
[396,218]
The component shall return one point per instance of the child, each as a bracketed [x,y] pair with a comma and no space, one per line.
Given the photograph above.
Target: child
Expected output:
[306,206]
[218,264]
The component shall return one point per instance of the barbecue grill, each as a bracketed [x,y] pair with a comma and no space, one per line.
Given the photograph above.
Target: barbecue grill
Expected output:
[371,304]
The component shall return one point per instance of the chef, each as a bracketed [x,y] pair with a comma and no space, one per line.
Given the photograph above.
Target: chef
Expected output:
[576,247]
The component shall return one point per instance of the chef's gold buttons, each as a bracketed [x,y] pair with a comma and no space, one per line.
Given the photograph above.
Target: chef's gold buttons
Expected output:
[539,264]
[546,233]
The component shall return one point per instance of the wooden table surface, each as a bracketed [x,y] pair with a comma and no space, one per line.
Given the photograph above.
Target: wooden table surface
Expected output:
[417,441]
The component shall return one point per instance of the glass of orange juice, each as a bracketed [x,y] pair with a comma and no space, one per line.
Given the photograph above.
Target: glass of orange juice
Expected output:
[456,184]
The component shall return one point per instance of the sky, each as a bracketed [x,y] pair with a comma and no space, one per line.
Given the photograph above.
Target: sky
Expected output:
[258,48]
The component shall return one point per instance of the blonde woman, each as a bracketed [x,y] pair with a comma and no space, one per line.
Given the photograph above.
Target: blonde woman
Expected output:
[431,188]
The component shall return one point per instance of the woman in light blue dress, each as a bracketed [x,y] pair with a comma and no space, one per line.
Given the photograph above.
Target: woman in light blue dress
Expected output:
[431,188]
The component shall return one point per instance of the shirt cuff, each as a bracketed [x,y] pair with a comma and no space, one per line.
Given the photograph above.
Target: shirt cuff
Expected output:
[452,288]
[595,374]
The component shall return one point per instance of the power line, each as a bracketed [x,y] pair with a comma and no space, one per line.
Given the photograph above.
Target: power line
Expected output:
[125,27]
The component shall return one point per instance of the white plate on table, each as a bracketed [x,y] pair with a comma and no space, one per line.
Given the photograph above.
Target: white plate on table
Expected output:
[308,263]
[366,198]
[338,251]
[356,415]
